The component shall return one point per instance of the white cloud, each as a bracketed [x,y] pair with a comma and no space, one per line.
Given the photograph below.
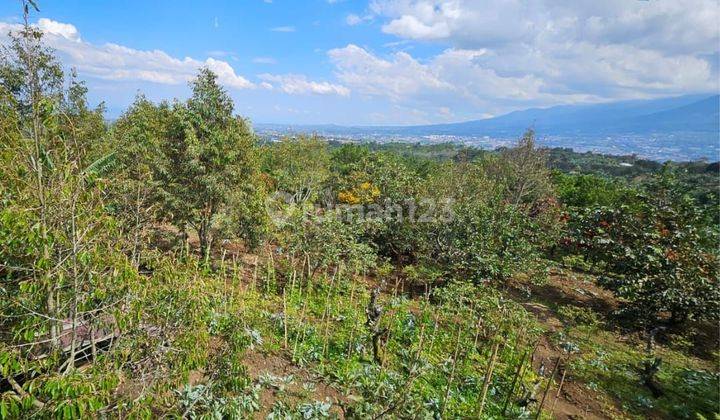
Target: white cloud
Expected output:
[352,19]
[294,84]
[661,25]
[283,29]
[264,60]
[119,63]
[513,54]
[481,81]
[227,75]
[64,30]
[397,78]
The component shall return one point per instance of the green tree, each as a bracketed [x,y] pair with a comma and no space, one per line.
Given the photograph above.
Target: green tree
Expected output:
[659,254]
[297,167]
[136,140]
[210,179]
[61,259]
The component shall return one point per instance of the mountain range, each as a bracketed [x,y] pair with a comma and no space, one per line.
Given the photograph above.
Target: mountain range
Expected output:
[681,128]
[689,113]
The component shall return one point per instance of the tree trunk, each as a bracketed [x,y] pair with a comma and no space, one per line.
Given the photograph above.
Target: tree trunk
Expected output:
[205,239]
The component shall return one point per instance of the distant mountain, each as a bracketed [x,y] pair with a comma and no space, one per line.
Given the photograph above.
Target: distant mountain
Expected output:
[681,128]
[685,113]
[696,113]
[703,115]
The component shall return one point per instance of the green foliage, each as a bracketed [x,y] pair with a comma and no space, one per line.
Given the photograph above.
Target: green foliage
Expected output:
[210,166]
[99,317]
[298,168]
[582,191]
[610,364]
[659,253]
[26,55]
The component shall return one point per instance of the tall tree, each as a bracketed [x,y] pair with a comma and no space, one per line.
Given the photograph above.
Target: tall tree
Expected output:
[210,182]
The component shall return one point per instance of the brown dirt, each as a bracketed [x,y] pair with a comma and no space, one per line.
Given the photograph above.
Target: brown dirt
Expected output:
[575,401]
[570,288]
[259,364]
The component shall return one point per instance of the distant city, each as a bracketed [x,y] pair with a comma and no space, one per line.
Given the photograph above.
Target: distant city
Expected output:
[662,147]
[681,128]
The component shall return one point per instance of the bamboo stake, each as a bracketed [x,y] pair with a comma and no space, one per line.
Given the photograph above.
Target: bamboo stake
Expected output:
[420,342]
[235,276]
[452,371]
[478,322]
[286,319]
[524,370]
[352,294]
[557,395]
[514,382]
[270,274]
[352,330]
[488,377]
[292,277]
[309,274]
[547,388]
[225,280]
[255,274]
[432,340]
[328,306]
[302,322]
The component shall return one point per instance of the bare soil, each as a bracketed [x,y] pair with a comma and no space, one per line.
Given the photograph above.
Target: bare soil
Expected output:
[259,364]
[575,401]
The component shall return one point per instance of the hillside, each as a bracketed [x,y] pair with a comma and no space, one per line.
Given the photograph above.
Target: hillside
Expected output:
[174,265]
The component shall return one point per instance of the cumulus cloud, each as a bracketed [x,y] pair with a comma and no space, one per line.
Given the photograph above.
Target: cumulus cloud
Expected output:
[399,77]
[119,63]
[64,30]
[450,76]
[298,84]
[516,53]
[660,25]
[480,80]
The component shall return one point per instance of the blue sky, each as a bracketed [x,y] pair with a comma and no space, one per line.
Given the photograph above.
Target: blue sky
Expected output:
[385,61]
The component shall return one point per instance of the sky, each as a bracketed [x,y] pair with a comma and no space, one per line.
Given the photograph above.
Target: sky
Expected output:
[384,61]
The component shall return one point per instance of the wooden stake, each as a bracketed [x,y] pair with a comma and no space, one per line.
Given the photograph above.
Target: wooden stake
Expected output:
[333,283]
[352,330]
[292,277]
[432,339]
[557,395]
[302,323]
[420,342]
[452,371]
[514,382]
[255,273]
[286,319]
[547,388]
[488,378]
